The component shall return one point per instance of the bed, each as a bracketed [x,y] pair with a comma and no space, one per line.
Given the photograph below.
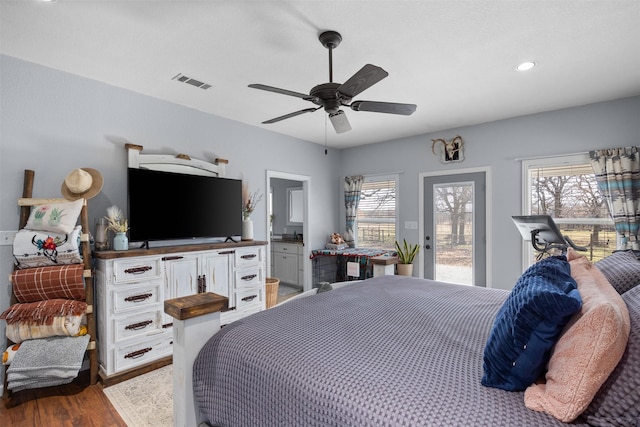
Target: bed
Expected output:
[385,351]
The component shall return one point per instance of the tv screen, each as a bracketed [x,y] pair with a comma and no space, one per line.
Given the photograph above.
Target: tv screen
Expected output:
[175,206]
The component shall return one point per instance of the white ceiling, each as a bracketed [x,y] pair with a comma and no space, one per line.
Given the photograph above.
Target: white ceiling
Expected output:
[454,59]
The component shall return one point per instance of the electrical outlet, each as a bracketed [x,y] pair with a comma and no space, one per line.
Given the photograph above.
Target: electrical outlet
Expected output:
[411,225]
[7,237]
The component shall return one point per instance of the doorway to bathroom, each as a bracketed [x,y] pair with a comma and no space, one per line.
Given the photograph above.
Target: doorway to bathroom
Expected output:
[288,222]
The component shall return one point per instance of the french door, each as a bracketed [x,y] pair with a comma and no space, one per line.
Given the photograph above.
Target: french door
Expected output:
[454,246]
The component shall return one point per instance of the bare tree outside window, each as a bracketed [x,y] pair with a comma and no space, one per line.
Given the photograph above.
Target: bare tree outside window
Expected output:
[376,220]
[453,202]
[569,194]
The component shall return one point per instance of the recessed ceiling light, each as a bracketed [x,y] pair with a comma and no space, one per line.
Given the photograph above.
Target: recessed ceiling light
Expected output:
[526,66]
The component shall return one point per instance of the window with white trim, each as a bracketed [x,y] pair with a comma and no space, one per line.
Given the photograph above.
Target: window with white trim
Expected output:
[376,217]
[565,188]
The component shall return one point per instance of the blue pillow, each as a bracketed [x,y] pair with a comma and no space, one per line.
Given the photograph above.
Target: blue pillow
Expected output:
[529,323]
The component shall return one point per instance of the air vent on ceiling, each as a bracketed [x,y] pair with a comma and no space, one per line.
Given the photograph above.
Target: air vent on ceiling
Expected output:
[193,82]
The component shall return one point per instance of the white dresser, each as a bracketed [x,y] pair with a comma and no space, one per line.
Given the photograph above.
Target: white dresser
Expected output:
[134,333]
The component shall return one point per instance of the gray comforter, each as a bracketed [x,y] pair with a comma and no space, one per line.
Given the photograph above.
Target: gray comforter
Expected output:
[388,351]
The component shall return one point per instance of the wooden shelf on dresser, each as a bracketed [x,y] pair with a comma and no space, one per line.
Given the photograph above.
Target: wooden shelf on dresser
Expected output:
[134,333]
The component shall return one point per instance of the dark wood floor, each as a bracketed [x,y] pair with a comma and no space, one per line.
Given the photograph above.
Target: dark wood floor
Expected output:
[77,404]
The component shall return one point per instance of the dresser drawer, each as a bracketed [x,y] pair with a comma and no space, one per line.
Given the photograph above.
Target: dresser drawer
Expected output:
[249,277]
[287,248]
[249,298]
[138,354]
[136,270]
[137,325]
[136,298]
[249,256]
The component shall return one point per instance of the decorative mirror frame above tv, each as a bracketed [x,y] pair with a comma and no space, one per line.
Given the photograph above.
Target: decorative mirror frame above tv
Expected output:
[180,163]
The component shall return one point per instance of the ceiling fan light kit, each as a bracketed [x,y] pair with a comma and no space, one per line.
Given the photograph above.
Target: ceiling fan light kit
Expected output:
[332,96]
[340,122]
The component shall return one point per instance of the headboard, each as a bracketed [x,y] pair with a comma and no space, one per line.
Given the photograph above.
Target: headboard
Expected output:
[180,163]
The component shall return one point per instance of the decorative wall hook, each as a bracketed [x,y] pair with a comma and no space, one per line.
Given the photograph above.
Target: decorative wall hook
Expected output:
[449,151]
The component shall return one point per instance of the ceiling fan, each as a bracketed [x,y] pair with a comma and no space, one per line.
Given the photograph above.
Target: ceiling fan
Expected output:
[331,96]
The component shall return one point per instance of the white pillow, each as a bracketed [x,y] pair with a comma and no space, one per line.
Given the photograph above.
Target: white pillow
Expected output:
[55,217]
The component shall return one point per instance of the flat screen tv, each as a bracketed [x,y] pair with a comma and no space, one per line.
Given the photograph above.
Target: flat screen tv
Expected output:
[176,206]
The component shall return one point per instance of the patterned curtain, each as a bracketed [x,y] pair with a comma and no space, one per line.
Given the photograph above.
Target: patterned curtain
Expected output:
[352,187]
[618,176]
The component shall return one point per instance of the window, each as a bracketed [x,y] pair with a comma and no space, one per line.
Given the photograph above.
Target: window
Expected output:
[376,217]
[565,188]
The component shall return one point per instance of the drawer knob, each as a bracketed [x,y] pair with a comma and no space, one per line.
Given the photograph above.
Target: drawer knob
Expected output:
[139,325]
[138,298]
[249,256]
[249,277]
[138,353]
[249,298]
[138,270]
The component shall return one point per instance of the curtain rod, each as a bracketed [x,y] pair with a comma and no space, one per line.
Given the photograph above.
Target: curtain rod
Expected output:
[522,159]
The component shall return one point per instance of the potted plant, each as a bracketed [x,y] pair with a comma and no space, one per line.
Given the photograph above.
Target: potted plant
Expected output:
[406,254]
[119,225]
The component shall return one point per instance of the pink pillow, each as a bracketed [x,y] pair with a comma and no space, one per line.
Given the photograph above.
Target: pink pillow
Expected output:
[588,349]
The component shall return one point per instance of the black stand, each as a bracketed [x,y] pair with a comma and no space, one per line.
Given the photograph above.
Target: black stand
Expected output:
[230,238]
[548,246]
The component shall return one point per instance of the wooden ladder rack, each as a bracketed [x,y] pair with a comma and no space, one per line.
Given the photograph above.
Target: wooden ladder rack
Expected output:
[25,203]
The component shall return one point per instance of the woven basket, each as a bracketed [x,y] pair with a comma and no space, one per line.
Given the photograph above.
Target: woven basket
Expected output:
[272,291]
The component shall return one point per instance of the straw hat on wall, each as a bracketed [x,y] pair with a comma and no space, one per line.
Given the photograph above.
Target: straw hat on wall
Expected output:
[82,183]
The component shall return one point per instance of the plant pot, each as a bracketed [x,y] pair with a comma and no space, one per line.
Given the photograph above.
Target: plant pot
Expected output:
[247,229]
[120,242]
[405,269]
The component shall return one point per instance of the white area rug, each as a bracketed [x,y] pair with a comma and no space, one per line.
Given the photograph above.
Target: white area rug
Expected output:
[146,400]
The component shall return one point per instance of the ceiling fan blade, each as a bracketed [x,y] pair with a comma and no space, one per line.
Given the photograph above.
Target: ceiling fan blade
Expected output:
[363,79]
[288,116]
[282,91]
[340,121]
[383,107]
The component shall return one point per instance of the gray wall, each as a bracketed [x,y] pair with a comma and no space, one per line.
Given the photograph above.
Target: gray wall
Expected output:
[498,144]
[53,122]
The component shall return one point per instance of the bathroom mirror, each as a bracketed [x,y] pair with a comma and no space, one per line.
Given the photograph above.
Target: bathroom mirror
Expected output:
[295,207]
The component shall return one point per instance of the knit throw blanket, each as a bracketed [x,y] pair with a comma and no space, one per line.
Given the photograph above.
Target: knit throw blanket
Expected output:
[46,362]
